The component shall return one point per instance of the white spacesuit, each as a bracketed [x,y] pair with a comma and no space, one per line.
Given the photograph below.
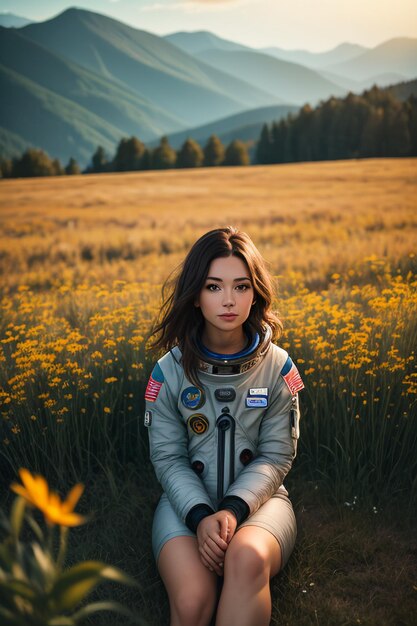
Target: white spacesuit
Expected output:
[226,444]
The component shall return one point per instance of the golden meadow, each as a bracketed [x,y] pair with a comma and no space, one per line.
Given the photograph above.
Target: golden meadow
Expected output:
[82,260]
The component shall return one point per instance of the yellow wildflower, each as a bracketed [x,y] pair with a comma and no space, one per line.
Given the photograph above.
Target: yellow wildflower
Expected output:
[36,492]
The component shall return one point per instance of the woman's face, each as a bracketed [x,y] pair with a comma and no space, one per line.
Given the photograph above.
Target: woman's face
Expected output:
[227,294]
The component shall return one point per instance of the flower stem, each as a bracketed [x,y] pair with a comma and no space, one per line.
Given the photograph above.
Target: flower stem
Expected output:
[63,537]
[50,540]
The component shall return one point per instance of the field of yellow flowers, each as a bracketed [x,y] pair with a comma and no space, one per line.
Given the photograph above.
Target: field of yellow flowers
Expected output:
[82,260]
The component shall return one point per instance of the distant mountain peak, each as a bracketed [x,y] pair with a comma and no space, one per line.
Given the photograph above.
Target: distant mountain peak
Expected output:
[79,16]
[196,41]
[397,43]
[347,46]
[396,56]
[11,20]
[77,12]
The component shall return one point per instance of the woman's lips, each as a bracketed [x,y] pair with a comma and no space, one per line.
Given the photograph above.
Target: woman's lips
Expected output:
[228,316]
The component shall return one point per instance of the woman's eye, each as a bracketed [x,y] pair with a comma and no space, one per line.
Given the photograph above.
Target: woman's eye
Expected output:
[215,287]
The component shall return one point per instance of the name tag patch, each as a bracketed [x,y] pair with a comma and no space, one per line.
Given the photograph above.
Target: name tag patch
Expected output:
[256,402]
[257,398]
[259,391]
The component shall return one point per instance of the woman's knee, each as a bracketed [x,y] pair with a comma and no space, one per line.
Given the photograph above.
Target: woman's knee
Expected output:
[194,605]
[250,560]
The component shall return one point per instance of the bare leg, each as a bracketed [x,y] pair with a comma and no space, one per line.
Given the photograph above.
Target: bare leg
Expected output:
[252,558]
[191,587]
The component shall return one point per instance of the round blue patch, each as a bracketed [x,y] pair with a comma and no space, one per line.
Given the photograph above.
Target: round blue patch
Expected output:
[193,397]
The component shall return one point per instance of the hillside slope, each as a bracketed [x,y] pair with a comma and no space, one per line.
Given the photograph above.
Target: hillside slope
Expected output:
[148,65]
[43,119]
[398,55]
[116,105]
[290,82]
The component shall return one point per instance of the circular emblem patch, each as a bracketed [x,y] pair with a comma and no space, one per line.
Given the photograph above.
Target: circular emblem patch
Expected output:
[193,397]
[198,423]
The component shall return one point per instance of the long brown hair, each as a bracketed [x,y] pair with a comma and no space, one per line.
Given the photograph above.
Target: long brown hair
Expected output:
[180,322]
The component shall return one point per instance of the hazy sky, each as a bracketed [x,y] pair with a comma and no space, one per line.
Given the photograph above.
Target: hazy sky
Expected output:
[293,24]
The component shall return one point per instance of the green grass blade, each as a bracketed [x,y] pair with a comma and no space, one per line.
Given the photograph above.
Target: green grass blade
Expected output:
[94,607]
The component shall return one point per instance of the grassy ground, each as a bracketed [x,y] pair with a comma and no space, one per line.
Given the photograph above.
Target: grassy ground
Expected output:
[81,262]
[349,566]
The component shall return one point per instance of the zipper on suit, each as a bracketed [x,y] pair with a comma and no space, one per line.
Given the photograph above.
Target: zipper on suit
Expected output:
[226,430]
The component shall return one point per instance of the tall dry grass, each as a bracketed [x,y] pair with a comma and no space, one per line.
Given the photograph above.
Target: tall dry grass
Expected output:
[82,261]
[313,219]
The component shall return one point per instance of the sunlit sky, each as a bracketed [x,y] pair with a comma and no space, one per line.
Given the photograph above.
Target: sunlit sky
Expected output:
[314,25]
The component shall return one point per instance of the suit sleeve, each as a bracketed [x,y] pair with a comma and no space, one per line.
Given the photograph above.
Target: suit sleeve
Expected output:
[276,449]
[168,442]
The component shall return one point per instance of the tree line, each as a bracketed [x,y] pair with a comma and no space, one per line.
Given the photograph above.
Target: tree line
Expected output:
[374,124]
[131,155]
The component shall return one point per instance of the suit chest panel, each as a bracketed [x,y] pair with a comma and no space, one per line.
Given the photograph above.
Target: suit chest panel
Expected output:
[201,407]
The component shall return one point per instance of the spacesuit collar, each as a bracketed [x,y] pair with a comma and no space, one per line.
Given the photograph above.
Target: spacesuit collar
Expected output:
[227,364]
[251,345]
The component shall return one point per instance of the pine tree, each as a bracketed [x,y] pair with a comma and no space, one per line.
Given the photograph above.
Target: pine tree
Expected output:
[6,168]
[129,155]
[33,162]
[370,141]
[395,131]
[147,159]
[236,154]
[277,142]
[190,154]
[72,168]
[302,130]
[373,124]
[163,156]
[411,108]
[281,141]
[264,147]
[213,152]
[99,161]
[57,168]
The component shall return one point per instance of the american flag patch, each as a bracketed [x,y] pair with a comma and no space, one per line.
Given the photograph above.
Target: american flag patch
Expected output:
[292,377]
[154,385]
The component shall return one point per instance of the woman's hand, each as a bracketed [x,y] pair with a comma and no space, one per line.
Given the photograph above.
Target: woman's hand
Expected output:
[214,533]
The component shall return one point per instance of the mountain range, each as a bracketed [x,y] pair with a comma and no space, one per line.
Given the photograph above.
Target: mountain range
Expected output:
[10,20]
[82,79]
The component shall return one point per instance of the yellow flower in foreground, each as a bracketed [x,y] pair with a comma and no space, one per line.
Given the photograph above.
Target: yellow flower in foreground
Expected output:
[36,492]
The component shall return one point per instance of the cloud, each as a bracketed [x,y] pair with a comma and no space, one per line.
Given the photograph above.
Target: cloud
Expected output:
[192,6]
[210,1]
[157,6]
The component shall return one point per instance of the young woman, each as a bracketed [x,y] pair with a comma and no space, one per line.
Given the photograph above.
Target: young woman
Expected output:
[222,416]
